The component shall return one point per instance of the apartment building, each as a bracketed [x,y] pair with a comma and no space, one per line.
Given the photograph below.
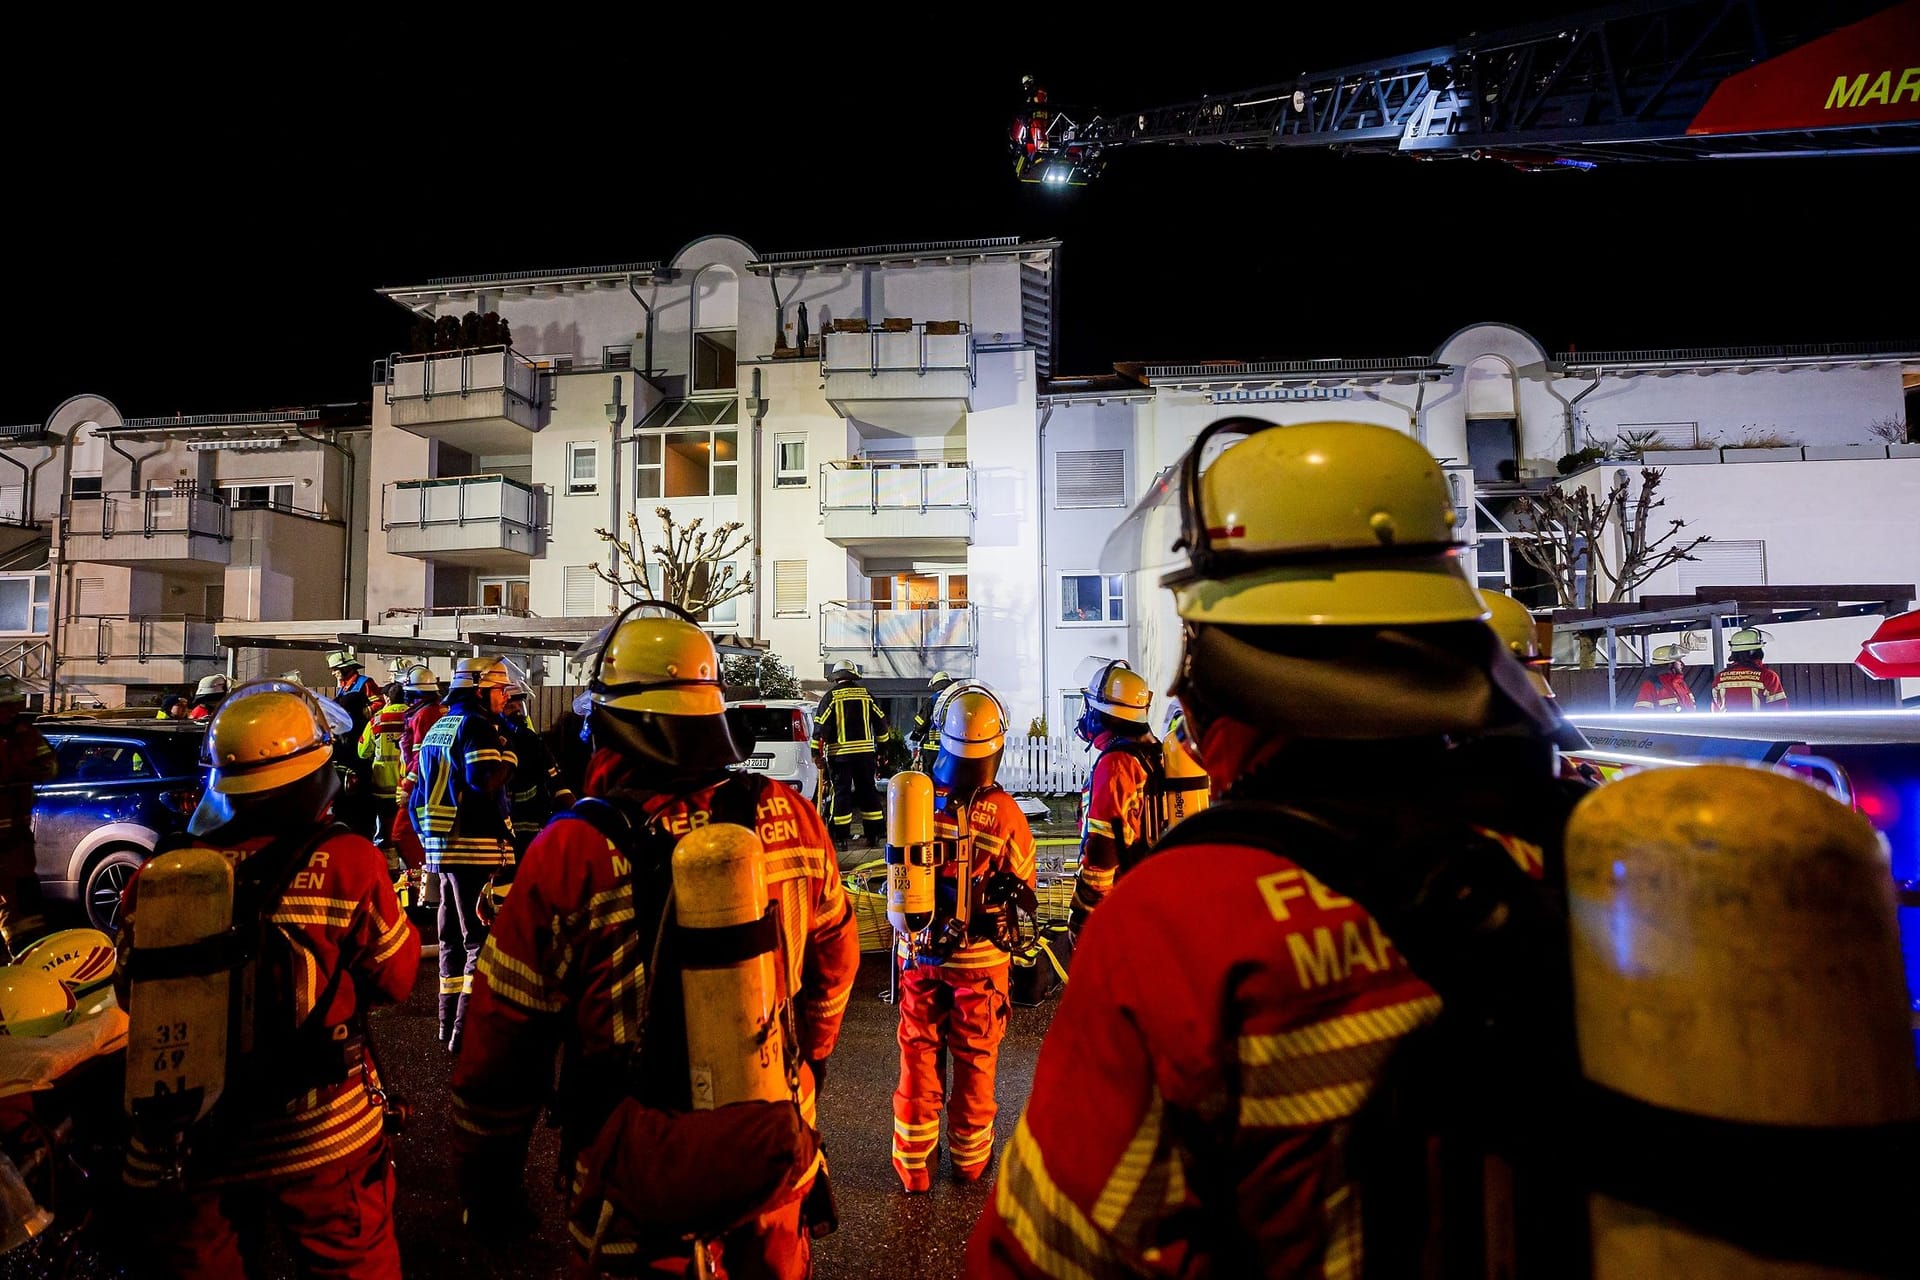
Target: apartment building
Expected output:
[126,544]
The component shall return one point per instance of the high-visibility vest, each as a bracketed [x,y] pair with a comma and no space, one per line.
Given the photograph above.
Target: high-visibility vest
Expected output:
[849,721]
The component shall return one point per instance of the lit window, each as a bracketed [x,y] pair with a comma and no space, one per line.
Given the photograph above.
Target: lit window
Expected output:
[790,462]
[688,464]
[259,497]
[1093,597]
[583,467]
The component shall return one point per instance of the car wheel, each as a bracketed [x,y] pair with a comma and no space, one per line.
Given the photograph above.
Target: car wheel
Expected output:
[106,878]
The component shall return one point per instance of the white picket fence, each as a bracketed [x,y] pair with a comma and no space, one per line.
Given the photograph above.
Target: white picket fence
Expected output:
[1045,766]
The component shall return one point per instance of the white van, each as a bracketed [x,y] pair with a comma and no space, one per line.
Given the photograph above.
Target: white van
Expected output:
[780,730]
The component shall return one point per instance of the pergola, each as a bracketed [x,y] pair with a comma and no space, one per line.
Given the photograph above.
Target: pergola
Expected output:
[1715,607]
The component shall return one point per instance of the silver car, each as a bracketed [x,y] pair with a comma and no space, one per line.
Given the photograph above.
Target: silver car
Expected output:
[781,730]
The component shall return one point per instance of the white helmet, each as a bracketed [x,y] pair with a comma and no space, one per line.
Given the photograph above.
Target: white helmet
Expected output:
[210,684]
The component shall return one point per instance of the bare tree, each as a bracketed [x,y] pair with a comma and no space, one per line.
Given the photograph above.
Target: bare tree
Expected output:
[1570,533]
[695,565]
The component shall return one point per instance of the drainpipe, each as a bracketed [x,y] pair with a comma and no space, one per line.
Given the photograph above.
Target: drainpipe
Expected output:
[1419,398]
[759,415]
[32,485]
[1572,444]
[346,504]
[648,308]
[133,462]
[617,414]
[1046,617]
[61,570]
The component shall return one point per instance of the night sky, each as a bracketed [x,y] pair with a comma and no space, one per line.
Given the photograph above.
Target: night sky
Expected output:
[199,227]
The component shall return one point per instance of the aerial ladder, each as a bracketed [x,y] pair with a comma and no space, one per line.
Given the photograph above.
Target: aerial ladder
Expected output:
[1672,80]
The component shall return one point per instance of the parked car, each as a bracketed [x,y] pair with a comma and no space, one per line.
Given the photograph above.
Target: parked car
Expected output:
[780,730]
[123,783]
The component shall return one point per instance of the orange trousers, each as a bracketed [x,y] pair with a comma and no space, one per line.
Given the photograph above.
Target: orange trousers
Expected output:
[964,1012]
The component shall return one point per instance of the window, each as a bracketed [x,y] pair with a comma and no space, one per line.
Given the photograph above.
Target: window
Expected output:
[255,497]
[89,597]
[213,602]
[85,486]
[23,604]
[790,462]
[1493,448]
[713,360]
[1073,705]
[83,761]
[789,588]
[504,593]
[918,590]
[688,464]
[578,589]
[1736,563]
[727,611]
[1090,478]
[1093,597]
[583,467]
[13,503]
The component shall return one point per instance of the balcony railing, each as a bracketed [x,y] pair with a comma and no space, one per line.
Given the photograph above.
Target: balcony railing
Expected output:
[151,513]
[457,517]
[478,385]
[911,349]
[873,502]
[870,627]
[152,637]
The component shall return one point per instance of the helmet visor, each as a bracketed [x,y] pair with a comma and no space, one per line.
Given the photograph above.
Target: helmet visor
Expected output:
[1152,537]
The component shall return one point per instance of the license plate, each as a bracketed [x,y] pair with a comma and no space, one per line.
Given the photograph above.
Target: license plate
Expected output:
[756,762]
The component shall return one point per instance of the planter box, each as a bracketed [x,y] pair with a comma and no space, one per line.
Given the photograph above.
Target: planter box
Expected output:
[1791,454]
[1903,451]
[1845,452]
[1678,457]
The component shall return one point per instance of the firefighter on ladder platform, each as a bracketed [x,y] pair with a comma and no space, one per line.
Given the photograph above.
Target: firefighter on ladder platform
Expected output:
[851,725]
[297,1136]
[581,961]
[1666,690]
[1122,814]
[953,975]
[459,809]
[1231,1007]
[1748,683]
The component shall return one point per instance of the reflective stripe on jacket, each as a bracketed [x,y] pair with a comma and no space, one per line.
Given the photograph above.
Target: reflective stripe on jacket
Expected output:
[849,721]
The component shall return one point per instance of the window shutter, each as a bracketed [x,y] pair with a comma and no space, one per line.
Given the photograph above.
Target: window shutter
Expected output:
[789,588]
[1090,478]
[577,591]
[1737,563]
[89,597]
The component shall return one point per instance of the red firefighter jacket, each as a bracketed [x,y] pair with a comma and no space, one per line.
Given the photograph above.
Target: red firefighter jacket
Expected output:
[1115,820]
[345,934]
[421,720]
[1002,841]
[1668,693]
[25,760]
[566,961]
[1237,1014]
[1748,686]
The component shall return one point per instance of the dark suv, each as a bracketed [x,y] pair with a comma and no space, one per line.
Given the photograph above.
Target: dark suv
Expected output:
[123,783]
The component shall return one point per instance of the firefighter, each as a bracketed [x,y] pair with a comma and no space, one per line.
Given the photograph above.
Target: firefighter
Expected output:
[421,690]
[953,991]
[297,1137]
[926,734]
[458,808]
[25,761]
[1193,1109]
[1748,683]
[1120,792]
[207,696]
[851,724]
[380,748]
[536,791]
[1666,690]
[569,966]
[350,677]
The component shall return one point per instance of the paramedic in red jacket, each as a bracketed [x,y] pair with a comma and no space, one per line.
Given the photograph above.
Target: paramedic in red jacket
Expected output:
[564,969]
[307,1150]
[1666,691]
[1229,1014]
[954,1001]
[1748,683]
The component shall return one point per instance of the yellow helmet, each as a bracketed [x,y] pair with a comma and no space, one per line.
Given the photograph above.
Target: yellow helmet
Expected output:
[82,959]
[479,673]
[1746,640]
[422,680]
[939,680]
[658,663]
[340,659]
[1119,691]
[973,733]
[33,1002]
[1668,653]
[269,733]
[1515,626]
[1320,524]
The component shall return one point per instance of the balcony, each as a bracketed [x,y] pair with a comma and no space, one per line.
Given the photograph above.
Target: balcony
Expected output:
[144,649]
[941,635]
[489,522]
[905,377]
[183,530]
[483,400]
[927,506]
